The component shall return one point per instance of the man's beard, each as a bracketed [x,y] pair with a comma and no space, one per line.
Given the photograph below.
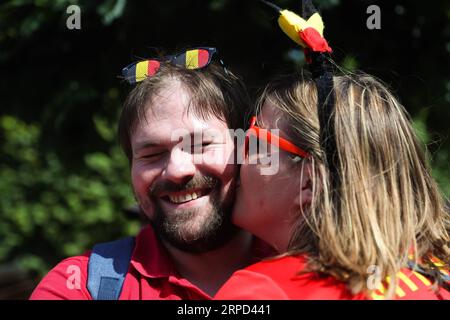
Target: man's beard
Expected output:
[180,228]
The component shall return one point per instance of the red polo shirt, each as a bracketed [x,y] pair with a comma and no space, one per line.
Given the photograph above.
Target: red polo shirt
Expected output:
[151,275]
[279,279]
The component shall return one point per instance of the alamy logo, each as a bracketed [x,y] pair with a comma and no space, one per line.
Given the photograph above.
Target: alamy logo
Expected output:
[266,157]
[74,277]
[374,20]
[74,19]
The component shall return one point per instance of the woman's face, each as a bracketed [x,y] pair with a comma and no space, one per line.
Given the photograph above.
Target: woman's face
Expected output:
[268,204]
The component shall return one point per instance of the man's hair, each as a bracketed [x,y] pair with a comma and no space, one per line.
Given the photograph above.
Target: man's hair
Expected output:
[387,203]
[214,92]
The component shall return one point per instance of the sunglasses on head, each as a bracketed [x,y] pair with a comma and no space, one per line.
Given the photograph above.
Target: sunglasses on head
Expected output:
[272,139]
[195,58]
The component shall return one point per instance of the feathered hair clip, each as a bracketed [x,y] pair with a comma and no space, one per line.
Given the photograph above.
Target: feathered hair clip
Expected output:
[307,31]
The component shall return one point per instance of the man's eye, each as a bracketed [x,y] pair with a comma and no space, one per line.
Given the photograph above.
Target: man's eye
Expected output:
[204,144]
[152,155]
[199,147]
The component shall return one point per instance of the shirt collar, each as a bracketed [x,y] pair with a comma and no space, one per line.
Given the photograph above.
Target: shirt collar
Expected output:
[152,260]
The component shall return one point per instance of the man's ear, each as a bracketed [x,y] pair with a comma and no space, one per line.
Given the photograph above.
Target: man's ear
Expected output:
[304,197]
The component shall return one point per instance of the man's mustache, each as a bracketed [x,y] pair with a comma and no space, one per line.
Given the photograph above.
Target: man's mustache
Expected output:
[197,182]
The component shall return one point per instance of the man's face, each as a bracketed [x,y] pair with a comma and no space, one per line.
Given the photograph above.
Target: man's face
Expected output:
[182,172]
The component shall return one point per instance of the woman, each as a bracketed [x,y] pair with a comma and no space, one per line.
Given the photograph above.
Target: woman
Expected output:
[383,233]
[353,210]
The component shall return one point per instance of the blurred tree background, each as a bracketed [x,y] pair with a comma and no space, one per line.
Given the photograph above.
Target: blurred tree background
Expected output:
[64,181]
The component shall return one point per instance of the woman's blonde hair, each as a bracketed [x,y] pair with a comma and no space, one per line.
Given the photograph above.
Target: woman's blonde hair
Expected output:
[386,206]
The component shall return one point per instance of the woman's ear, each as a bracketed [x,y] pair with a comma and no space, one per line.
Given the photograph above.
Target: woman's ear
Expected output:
[305,193]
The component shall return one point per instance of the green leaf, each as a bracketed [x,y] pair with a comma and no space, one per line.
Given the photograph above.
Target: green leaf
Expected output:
[99,162]
[110,10]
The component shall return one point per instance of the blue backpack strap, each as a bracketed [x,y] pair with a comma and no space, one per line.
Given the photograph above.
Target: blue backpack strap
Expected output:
[108,265]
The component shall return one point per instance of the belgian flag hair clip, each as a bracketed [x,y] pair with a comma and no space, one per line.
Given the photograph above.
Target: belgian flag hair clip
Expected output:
[307,31]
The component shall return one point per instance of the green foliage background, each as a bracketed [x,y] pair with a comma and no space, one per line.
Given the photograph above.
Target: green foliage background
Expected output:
[64,182]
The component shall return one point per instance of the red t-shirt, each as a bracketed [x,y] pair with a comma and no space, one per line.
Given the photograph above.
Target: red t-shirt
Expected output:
[279,279]
[151,276]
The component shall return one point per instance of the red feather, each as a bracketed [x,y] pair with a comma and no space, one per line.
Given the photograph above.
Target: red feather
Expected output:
[312,38]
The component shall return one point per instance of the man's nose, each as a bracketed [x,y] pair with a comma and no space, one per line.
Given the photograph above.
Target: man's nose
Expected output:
[180,166]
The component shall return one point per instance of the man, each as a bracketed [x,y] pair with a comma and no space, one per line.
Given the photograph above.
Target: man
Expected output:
[174,129]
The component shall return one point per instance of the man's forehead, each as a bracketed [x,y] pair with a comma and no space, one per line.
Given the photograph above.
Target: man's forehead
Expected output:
[168,131]
[173,104]
[170,101]
[159,124]
[188,122]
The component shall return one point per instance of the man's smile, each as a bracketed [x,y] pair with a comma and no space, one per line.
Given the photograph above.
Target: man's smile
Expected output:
[184,197]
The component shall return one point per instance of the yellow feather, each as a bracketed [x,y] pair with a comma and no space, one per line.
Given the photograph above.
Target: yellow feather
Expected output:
[292,24]
[316,22]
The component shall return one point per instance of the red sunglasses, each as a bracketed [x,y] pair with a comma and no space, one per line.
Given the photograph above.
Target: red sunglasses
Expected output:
[271,138]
